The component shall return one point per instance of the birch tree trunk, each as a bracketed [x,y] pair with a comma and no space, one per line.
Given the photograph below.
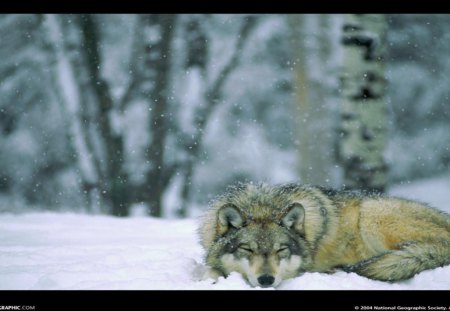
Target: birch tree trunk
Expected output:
[363,109]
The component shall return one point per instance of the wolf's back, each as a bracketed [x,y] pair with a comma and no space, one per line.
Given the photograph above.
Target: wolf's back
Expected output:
[379,237]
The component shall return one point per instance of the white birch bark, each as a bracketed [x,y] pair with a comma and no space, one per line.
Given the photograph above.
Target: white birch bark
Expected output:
[363,108]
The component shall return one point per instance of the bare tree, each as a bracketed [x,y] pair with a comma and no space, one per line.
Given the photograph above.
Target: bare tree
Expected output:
[92,109]
[114,180]
[363,109]
[87,99]
[67,91]
[315,49]
[155,85]
[211,97]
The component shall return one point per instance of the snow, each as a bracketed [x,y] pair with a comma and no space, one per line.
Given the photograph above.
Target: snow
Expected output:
[434,192]
[74,251]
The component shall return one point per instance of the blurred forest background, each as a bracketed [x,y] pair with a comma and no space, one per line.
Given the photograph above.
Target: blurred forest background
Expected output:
[157,114]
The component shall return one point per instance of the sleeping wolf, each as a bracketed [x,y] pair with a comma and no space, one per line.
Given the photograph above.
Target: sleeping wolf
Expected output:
[269,234]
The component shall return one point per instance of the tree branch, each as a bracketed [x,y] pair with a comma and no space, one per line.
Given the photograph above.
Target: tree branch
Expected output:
[213,93]
[203,113]
[133,80]
[248,24]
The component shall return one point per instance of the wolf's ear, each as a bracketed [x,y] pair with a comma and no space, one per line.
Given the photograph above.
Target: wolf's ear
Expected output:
[229,216]
[293,216]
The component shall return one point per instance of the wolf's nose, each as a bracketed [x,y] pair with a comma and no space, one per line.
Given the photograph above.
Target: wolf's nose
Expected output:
[266,280]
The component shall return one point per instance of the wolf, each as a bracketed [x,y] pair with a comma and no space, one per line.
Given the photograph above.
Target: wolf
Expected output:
[273,233]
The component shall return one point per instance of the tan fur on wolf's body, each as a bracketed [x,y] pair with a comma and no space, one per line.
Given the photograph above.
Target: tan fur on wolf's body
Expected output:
[382,238]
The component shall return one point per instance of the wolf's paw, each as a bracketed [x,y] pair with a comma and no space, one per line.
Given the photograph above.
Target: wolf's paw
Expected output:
[201,272]
[212,275]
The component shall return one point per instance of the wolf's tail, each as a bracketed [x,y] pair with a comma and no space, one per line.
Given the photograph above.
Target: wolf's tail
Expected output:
[404,263]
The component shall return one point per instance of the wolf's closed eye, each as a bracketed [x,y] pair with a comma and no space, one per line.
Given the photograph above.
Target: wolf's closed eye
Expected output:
[245,248]
[283,251]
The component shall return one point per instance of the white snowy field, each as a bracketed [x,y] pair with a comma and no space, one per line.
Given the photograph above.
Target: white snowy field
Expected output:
[72,251]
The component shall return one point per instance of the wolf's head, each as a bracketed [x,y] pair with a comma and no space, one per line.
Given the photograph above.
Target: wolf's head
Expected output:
[265,250]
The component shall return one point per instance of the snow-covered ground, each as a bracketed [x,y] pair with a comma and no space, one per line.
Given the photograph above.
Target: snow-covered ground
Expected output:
[70,251]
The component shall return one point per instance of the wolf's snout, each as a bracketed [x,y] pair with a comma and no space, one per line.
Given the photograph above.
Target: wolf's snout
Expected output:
[266,280]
